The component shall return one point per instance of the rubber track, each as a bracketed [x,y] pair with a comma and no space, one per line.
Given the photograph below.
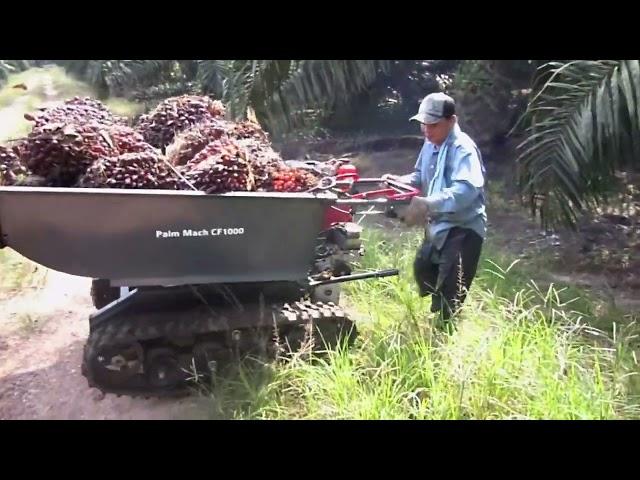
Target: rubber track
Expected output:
[330,321]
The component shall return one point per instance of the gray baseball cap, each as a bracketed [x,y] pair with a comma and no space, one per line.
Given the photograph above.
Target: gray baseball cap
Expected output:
[434,108]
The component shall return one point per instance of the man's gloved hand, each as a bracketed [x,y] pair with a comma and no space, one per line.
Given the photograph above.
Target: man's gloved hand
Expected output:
[417,211]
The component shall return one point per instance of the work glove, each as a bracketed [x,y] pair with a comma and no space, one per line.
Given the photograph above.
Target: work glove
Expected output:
[417,212]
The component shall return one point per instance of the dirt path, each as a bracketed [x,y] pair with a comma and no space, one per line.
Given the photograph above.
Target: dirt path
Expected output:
[40,361]
[11,116]
[42,334]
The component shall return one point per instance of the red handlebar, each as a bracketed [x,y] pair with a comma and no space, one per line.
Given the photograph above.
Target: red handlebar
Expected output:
[393,191]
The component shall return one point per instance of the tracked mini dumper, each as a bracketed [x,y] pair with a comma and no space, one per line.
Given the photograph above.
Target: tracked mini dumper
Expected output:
[202,279]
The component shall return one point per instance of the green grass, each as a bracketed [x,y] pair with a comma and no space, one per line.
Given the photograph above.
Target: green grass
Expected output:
[46,86]
[18,273]
[521,350]
[43,85]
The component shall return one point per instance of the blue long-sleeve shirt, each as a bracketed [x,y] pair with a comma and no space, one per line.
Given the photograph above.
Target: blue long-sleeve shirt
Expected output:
[461,200]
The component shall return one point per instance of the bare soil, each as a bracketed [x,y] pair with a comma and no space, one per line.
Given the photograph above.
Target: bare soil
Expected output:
[42,334]
[43,329]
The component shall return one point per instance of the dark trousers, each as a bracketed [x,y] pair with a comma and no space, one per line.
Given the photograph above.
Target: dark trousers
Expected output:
[447,274]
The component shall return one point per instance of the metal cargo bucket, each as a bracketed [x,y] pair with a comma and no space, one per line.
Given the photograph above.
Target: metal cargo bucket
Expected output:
[161,237]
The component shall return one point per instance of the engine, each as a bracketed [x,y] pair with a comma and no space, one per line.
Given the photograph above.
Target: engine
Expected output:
[334,255]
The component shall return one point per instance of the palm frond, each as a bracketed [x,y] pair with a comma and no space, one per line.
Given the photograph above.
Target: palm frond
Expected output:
[320,85]
[114,77]
[77,68]
[143,73]
[281,92]
[584,124]
[240,81]
[211,75]
[189,68]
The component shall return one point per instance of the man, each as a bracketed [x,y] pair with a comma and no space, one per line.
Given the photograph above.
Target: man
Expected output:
[450,174]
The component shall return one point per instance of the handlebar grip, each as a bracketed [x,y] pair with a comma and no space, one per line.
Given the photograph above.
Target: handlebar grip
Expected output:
[403,186]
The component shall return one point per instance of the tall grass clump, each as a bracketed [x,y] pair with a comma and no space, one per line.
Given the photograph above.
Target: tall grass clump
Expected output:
[520,350]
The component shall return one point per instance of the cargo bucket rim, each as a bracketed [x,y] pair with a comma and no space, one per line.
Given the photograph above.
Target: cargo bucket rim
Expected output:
[324,196]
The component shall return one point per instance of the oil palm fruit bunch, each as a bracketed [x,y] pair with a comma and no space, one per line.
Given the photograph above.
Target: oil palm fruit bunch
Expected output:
[12,170]
[75,110]
[192,141]
[62,152]
[141,170]
[220,167]
[174,115]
